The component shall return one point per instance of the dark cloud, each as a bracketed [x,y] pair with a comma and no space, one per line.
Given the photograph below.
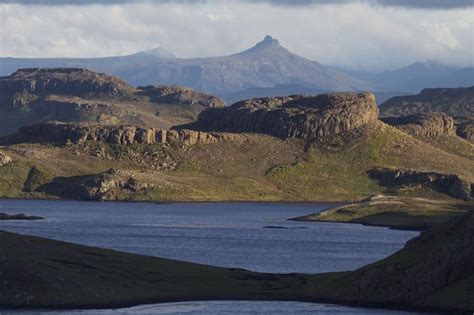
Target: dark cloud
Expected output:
[422,4]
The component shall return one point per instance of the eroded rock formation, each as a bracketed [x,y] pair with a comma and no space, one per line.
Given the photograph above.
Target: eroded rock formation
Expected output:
[109,185]
[306,117]
[429,125]
[450,184]
[64,133]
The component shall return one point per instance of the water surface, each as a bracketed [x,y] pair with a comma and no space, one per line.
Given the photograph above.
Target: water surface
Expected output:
[254,236]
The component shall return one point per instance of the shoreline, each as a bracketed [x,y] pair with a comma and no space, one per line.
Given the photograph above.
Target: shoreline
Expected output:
[367,305]
[231,201]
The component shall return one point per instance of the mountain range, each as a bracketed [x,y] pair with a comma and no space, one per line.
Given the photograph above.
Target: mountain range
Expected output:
[265,67]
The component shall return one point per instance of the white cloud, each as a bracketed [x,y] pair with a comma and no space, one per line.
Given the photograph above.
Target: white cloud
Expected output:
[357,35]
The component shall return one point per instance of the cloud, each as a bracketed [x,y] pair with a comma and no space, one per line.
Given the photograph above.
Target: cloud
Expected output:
[425,4]
[357,35]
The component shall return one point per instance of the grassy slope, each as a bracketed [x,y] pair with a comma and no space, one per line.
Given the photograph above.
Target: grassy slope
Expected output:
[256,168]
[73,276]
[434,270]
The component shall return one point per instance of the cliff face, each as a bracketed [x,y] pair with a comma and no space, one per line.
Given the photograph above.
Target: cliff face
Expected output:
[64,133]
[452,185]
[429,125]
[306,117]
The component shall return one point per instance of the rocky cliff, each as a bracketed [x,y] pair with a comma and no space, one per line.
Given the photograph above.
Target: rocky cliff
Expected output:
[61,133]
[452,185]
[430,125]
[306,117]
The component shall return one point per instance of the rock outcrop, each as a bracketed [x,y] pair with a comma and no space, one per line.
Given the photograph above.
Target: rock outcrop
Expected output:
[68,133]
[4,159]
[450,184]
[429,125]
[305,117]
[109,185]
[465,127]
[173,94]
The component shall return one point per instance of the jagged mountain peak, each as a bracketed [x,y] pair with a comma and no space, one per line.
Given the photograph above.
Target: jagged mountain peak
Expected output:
[269,41]
[267,44]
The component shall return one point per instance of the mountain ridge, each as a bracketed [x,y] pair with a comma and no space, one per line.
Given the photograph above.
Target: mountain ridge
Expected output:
[266,64]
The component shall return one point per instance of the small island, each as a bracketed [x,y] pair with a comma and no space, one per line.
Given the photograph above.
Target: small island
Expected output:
[20,216]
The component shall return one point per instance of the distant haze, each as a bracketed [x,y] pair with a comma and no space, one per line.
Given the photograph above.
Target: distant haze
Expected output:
[362,35]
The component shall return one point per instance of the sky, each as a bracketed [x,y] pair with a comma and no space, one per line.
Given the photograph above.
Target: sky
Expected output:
[370,35]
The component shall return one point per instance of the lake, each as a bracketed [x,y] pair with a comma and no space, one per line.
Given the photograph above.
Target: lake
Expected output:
[254,236]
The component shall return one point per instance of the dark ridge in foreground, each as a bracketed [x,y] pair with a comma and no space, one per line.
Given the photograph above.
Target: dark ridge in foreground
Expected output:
[73,276]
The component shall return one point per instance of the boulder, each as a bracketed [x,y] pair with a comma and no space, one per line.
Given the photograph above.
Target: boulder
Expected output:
[4,159]
[298,116]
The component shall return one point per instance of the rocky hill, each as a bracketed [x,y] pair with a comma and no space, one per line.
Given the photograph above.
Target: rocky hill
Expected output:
[300,147]
[454,102]
[78,95]
[305,117]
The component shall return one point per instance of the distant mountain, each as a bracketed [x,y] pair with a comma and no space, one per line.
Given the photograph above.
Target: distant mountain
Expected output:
[275,91]
[267,64]
[417,76]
